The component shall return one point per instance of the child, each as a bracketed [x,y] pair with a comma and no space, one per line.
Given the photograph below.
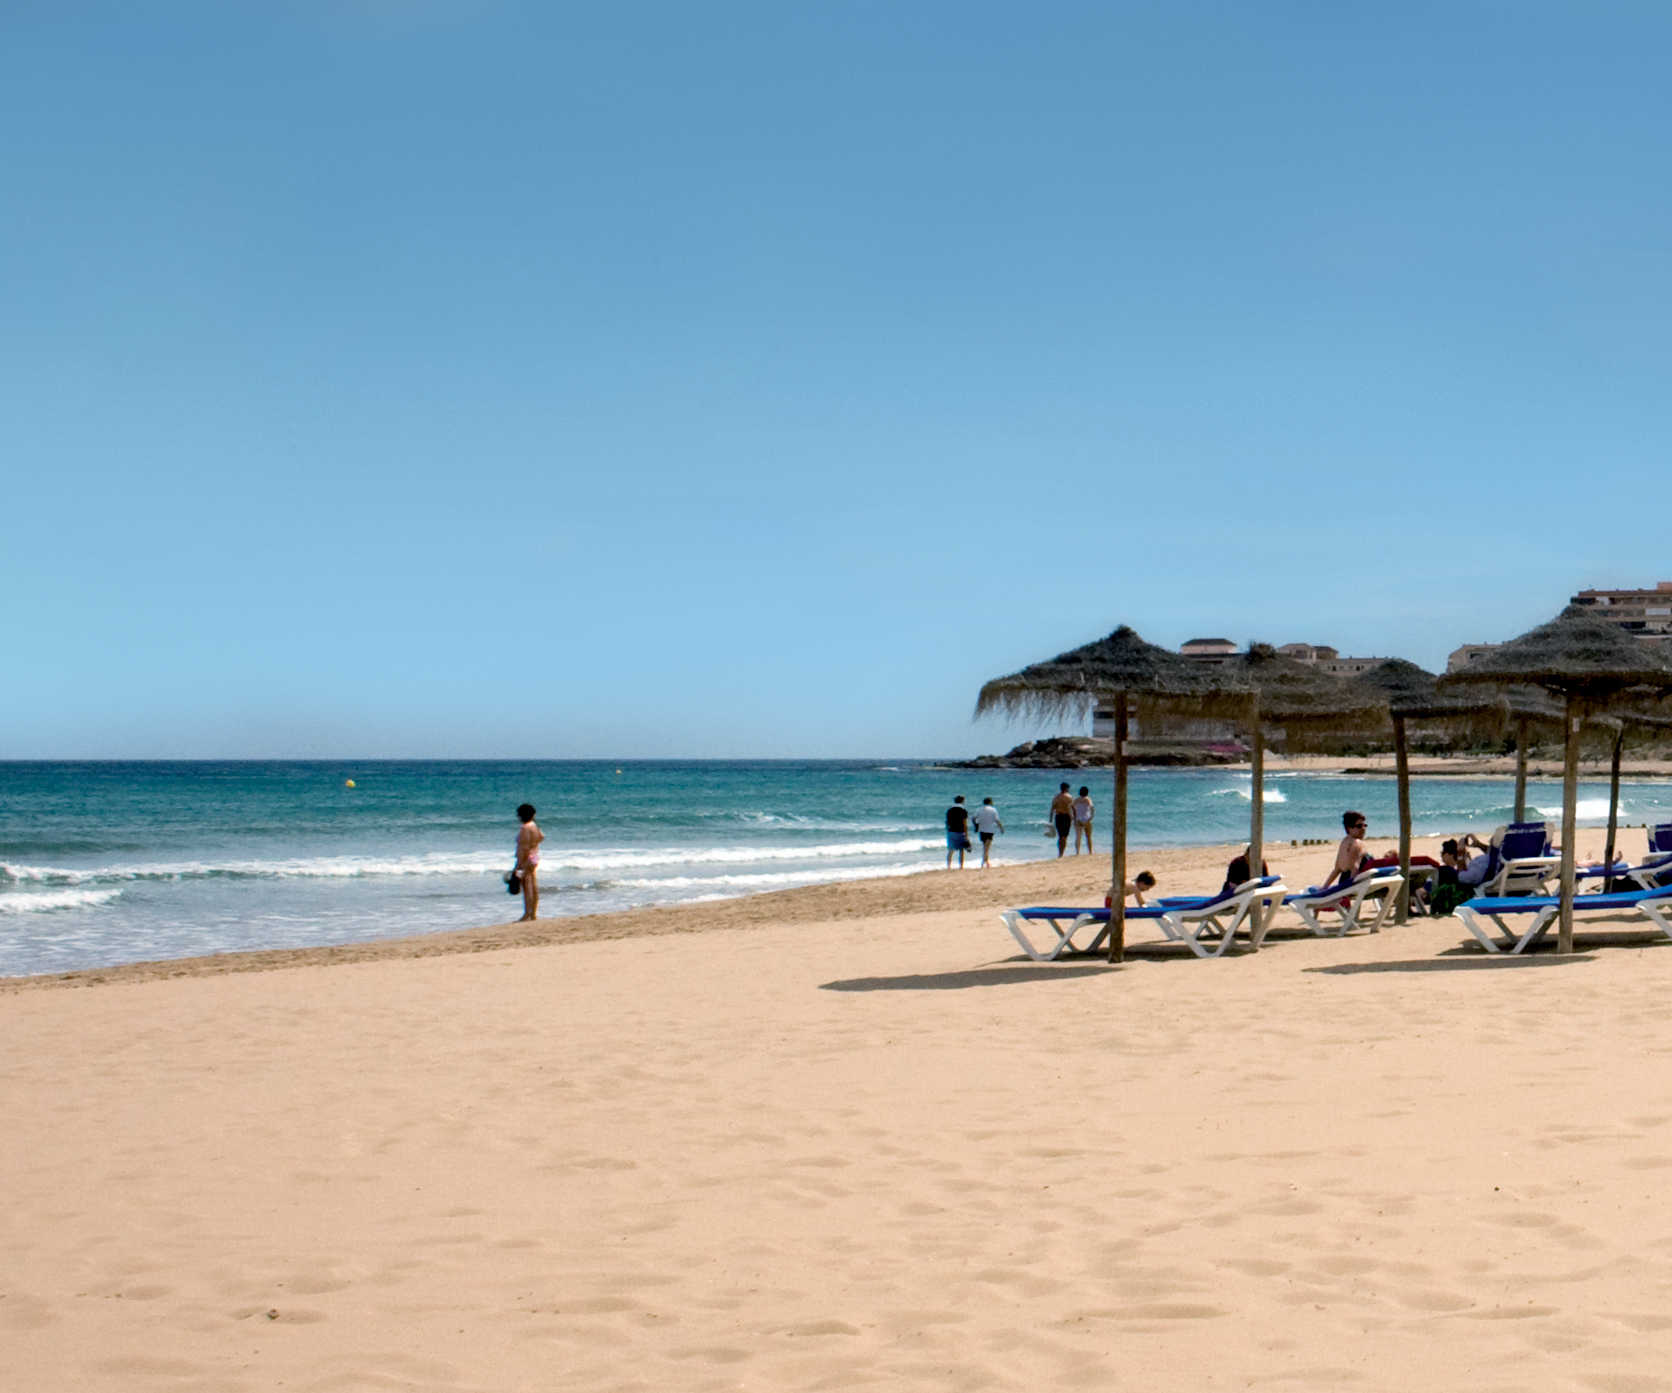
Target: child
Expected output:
[1137,888]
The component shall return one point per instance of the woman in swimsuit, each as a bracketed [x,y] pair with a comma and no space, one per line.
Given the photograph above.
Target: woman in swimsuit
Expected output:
[529,837]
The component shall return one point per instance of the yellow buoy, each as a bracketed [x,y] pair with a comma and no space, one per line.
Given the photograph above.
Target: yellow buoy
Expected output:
[348,783]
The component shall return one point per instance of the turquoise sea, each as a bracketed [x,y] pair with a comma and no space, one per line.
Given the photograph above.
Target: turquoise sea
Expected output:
[104,863]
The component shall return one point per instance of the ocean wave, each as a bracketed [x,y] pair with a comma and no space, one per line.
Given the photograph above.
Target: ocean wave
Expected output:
[320,867]
[626,858]
[40,901]
[1584,809]
[769,880]
[1267,795]
[823,824]
[605,859]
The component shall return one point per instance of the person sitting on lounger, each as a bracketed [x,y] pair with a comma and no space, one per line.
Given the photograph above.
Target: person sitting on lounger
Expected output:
[1471,871]
[1458,875]
[1139,886]
[1237,872]
[1350,855]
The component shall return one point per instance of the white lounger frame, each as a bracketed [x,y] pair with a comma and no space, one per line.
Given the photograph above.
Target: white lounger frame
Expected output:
[1543,912]
[1385,881]
[1205,927]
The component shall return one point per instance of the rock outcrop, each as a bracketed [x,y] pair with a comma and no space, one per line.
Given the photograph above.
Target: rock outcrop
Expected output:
[1087,752]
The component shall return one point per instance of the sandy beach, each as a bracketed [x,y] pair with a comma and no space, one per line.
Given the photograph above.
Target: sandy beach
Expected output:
[845,1137]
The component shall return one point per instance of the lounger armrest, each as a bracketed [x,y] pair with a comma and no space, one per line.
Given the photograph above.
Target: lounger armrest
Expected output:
[1530,863]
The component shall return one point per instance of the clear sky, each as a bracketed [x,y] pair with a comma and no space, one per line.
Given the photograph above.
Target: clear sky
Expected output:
[659,378]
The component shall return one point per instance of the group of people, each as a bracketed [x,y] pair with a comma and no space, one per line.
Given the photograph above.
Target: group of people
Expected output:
[1067,814]
[959,820]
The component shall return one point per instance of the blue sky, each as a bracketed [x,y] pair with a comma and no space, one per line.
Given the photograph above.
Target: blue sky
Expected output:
[660,379]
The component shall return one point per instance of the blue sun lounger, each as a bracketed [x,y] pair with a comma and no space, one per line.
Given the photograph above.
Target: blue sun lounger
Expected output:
[1542,910]
[1521,860]
[1655,869]
[1204,924]
[1076,919]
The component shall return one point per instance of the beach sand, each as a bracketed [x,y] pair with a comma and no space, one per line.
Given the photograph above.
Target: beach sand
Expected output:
[846,1137]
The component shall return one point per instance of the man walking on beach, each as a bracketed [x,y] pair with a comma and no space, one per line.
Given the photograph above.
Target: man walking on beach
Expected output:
[529,837]
[986,820]
[957,831]
[1062,814]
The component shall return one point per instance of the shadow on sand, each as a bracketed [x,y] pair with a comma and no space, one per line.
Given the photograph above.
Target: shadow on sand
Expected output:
[1467,957]
[1463,961]
[997,976]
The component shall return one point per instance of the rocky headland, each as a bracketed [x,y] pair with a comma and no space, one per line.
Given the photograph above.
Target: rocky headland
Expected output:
[1088,752]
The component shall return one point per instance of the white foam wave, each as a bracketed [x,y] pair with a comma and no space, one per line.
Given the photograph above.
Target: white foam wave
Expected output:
[623,858]
[37,902]
[825,824]
[605,859]
[768,880]
[328,867]
[1267,795]
[1584,809]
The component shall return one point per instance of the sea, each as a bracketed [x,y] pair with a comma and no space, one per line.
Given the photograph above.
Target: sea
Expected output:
[107,862]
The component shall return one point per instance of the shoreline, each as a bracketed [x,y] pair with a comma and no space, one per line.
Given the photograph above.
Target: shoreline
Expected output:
[1181,869]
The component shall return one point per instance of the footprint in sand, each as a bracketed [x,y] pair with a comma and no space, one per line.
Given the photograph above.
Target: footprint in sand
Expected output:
[1171,1310]
[821,1327]
[1434,1299]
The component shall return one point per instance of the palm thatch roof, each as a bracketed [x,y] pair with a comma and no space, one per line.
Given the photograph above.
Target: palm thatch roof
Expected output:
[1414,694]
[1295,693]
[1074,682]
[1402,683]
[1575,654]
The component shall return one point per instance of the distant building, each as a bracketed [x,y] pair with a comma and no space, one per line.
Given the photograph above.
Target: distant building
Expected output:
[1327,659]
[1462,657]
[1209,650]
[1350,667]
[1643,613]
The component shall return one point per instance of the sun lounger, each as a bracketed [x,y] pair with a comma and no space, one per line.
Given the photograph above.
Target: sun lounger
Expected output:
[1206,927]
[1205,924]
[1654,871]
[1076,919]
[1521,860]
[1542,910]
[1348,900]
[1656,867]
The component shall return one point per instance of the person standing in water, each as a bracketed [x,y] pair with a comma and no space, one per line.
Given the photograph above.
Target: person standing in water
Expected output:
[529,837]
[957,831]
[1062,817]
[1083,811]
[986,820]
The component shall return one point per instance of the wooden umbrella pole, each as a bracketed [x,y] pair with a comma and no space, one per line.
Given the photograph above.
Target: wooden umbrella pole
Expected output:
[1257,800]
[1402,768]
[1521,771]
[1570,810]
[1117,908]
[1613,809]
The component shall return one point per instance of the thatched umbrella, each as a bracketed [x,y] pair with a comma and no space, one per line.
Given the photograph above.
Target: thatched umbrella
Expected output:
[1412,695]
[1590,664]
[1299,698]
[1122,668]
[1624,719]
